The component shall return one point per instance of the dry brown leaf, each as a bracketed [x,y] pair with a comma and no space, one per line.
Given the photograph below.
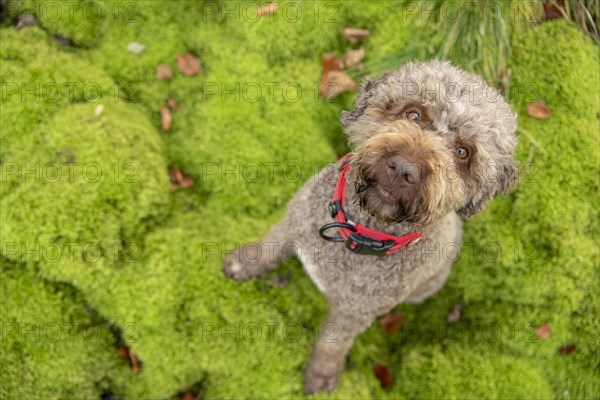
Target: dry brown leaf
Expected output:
[566,350]
[189,396]
[188,64]
[164,71]
[352,58]
[166,119]
[538,110]
[335,82]
[552,11]
[267,9]
[456,314]
[383,375]
[172,104]
[179,179]
[187,182]
[355,35]
[543,331]
[123,352]
[391,321]
[330,63]
[135,365]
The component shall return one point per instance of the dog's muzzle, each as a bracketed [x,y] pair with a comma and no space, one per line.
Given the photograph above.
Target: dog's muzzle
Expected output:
[356,237]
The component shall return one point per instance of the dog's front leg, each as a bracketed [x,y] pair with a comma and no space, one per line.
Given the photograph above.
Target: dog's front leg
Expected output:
[329,354]
[255,259]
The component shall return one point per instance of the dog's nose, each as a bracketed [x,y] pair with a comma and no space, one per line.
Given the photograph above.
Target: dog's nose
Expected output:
[403,171]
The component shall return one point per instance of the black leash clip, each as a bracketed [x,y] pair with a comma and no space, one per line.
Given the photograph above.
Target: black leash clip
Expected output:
[364,245]
[357,243]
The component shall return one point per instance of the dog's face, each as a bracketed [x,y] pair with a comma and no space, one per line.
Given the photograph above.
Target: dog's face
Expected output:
[429,139]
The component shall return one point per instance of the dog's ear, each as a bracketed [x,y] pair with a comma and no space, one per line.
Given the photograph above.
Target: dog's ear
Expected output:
[504,181]
[507,178]
[365,92]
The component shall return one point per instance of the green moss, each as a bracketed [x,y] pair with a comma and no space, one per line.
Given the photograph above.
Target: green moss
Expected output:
[453,373]
[52,345]
[248,154]
[82,22]
[102,178]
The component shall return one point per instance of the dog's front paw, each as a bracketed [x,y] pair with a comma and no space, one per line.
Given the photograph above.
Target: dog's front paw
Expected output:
[318,381]
[234,268]
[244,263]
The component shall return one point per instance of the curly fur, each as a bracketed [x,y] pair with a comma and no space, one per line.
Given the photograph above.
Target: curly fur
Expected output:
[456,110]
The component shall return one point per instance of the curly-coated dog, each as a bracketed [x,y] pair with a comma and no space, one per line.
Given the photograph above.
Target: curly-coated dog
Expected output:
[430,144]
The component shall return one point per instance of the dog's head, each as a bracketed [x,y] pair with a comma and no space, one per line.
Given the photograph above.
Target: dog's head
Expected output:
[429,139]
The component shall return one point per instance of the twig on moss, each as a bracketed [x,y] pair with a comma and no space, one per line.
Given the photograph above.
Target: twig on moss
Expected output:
[531,139]
[531,154]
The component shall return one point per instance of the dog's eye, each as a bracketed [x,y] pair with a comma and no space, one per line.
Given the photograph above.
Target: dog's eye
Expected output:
[462,152]
[412,115]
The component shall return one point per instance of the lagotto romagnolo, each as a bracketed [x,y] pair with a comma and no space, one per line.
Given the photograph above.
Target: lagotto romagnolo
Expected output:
[430,144]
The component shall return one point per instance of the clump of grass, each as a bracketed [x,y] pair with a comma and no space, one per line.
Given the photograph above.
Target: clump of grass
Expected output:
[472,34]
[585,13]
[477,33]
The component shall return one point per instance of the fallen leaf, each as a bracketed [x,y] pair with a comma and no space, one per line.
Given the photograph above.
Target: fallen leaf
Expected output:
[566,350]
[135,365]
[330,63]
[543,331]
[391,321]
[335,82]
[552,11]
[187,182]
[166,119]
[188,64]
[189,396]
[179,179]
[355,35]
[98,110]
[164,71]
[123,352]
[26,20]
[382,373]
[136,48]
[172,104]
[538,110]
[455,314]
[352,58]
[267,9]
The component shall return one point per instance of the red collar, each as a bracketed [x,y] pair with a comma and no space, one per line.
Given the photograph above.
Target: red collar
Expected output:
[356,237]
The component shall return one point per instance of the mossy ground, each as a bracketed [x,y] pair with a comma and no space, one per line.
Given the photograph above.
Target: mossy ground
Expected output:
[119,253]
